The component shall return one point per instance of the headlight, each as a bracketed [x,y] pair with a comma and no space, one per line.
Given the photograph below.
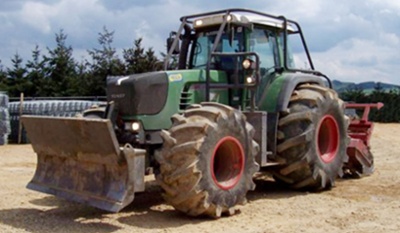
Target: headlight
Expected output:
[132,126]
[198,23]
[135,126]
[250,80]
[247,64]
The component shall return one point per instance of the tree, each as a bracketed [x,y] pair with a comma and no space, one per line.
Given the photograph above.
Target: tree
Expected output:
[16,77]
[60,68]
[389,113]
[153,63]
[379,95]
[105,62]
[353,94]
[3,78]
[84,86]
[36,74]
[58,74]
[139,61]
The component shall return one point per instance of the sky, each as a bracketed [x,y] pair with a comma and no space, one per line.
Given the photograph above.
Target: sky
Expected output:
[352,41]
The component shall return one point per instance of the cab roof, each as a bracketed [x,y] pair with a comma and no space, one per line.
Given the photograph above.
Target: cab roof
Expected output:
[239,16]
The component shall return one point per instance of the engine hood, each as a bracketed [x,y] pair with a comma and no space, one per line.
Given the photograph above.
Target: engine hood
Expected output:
[138,94]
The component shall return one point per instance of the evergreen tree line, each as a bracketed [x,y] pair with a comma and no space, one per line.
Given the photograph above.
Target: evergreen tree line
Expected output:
[391,99]
[58,74]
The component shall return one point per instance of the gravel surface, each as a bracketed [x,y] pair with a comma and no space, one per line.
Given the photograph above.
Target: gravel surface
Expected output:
[370,204]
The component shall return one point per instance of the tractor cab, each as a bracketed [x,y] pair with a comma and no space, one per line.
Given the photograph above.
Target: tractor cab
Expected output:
[252,48]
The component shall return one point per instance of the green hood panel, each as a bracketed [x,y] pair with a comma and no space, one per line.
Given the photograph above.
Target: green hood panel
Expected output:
[185,87]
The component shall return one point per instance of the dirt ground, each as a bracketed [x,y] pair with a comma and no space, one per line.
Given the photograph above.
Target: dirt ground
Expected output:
[370,204]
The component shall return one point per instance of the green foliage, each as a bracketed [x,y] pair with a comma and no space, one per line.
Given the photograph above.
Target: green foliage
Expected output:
[16,77]
[138,60]
[36,75]
[3,78]
[389,113]
[56,73]
[105,62]
[60,68]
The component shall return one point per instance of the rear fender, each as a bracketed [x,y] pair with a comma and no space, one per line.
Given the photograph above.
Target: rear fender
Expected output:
[275,99]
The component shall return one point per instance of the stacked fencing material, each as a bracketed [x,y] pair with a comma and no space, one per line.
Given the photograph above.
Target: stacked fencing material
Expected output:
[5,128]
[54,108]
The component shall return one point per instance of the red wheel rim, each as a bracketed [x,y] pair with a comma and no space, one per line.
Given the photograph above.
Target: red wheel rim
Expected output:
[227,163]
[328,139]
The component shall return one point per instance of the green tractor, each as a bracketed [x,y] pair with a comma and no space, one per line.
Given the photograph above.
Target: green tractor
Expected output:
[230,103]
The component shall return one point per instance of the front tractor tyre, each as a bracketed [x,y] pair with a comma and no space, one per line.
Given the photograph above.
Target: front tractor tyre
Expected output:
[207,160]
[312,139]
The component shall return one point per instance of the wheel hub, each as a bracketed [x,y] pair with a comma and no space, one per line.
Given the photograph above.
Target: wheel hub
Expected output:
[328,139]
[227,163]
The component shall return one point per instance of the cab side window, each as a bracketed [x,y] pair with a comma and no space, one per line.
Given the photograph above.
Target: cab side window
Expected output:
[263,42]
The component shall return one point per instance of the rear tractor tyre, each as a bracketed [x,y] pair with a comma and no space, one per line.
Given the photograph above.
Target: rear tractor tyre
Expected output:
[312,139]
[207,160]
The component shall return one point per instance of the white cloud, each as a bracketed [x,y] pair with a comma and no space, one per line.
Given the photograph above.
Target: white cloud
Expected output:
[386,4]
[359,60]
[38,16]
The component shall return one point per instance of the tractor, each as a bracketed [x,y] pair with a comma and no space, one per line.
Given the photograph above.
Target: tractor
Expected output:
[231,102]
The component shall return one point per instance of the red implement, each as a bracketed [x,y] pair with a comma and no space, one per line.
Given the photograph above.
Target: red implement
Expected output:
[361,160]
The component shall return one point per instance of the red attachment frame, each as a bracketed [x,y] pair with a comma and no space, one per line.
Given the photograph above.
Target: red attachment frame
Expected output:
[360,131]
[362,128]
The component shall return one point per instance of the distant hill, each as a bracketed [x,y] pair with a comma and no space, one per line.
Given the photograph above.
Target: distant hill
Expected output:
[366,86]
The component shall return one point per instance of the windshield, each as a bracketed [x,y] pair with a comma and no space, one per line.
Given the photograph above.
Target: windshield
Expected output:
[205,42]
[263,42]
[267,42]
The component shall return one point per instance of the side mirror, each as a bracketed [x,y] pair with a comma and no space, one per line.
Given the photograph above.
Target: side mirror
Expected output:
[170,42]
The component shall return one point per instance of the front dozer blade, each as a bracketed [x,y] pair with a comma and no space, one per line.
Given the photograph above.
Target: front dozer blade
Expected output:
[79,159]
